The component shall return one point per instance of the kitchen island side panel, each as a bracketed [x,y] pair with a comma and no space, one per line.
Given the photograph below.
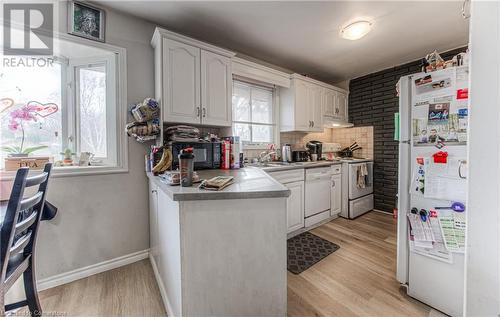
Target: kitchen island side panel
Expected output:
[234,257]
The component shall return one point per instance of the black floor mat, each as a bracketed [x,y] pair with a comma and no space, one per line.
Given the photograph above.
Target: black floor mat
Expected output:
[307,249]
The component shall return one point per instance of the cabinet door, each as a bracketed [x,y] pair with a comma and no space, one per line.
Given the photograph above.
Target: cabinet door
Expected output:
[295,206]
[329,99]
[216,89]
[153,222]
[302,112]
[336,197]
[181,82]
[315,107]
[342,106]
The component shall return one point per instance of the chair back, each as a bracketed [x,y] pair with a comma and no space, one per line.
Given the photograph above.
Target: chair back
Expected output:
[22,217]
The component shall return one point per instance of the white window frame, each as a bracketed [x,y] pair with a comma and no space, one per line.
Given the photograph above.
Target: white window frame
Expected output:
[111,112]
[118,115]
[275,113]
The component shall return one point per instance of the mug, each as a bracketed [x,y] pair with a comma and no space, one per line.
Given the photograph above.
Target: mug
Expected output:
[314,157]
[85,158]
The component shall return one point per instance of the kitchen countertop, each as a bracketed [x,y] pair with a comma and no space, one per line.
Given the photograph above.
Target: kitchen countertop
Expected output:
[297,165]
[249,183]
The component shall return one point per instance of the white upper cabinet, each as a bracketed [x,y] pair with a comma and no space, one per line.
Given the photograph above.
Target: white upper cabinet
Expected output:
[316,107]
[329,101]
[301,111]
[193,80]
[341,106]
[305,103]
[181,82]
[216,89]
[335,104]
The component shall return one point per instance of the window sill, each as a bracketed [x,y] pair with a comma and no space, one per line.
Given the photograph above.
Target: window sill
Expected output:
[255,146]
[70,171]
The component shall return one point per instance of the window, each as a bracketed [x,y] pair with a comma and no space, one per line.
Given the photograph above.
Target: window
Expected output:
[253,113]
[21,86]
[76,107]
[93,120]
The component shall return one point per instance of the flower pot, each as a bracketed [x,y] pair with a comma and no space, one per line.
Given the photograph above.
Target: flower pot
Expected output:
[18,155]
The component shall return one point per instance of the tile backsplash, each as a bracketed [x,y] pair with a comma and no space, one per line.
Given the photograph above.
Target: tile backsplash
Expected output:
[345,136]
[362,135]
[298,140]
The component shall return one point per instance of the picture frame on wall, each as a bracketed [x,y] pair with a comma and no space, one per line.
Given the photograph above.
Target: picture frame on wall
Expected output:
[87,21]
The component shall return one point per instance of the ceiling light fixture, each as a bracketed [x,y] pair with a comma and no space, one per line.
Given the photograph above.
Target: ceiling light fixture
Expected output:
[356,30]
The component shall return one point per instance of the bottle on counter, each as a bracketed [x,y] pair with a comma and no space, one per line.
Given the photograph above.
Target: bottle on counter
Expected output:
[186,166]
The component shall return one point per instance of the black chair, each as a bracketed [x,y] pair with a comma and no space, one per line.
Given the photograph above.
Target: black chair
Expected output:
[18,239]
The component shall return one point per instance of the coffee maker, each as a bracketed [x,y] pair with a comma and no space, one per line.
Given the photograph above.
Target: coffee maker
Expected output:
[315,147]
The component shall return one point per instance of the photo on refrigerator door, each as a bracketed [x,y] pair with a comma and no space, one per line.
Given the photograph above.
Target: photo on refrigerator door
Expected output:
[442,125]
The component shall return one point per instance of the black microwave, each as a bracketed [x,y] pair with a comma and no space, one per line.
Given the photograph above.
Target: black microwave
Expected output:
[207,155]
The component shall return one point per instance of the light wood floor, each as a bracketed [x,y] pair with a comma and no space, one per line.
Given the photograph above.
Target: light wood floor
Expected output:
[357,280]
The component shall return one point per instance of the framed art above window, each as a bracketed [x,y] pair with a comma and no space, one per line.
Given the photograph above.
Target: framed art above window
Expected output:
[86,21]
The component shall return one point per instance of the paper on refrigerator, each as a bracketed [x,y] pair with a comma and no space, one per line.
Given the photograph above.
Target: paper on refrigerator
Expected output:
[436,248]
[453,229]
[444,181]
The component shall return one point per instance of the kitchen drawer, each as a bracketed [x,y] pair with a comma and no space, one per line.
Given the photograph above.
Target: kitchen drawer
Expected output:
[288,176]
[318,172]
[311,221]
[360,206]
[336,169]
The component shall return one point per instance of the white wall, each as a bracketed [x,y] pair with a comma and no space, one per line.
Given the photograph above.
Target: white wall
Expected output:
[483,222]
[106,216]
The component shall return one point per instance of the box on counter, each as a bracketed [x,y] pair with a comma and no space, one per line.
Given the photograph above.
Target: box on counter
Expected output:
[33,162]
[234,153]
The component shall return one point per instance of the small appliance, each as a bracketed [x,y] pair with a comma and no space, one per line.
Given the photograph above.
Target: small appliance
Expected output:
[315,147]
[206,154]
[300,156]
[286,153]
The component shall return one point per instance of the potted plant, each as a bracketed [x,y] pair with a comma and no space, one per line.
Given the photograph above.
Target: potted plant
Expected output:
[18,118]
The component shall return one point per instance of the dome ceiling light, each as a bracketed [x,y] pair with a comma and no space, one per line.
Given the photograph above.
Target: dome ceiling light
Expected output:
[356,30]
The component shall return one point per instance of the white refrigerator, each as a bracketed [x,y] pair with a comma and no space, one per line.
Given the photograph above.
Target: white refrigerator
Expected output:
[433,112]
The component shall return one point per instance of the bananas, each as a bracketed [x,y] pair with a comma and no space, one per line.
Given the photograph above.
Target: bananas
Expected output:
[165,162]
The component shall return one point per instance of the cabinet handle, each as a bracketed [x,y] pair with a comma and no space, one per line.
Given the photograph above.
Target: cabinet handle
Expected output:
[154,191]
[313,124]
[333,183]
[198,111]
[204,112]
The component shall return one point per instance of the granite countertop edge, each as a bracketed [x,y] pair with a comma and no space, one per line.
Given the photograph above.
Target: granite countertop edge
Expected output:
[275,190]
[304,166]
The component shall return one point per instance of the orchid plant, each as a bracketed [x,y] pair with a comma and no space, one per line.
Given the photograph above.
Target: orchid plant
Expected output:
[18,118]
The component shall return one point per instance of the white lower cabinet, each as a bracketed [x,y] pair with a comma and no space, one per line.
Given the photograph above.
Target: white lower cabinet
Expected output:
[153,221]
[336,196]
[295,206]
[315,195]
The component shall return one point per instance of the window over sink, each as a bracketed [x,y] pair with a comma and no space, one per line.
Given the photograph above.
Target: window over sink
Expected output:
[254,118]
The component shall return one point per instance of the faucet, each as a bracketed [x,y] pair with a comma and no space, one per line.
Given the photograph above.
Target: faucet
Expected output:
[265,156]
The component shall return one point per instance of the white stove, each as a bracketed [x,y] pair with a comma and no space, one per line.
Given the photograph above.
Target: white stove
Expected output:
[357,187]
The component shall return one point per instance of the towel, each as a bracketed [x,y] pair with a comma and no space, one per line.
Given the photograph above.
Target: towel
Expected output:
[361,175]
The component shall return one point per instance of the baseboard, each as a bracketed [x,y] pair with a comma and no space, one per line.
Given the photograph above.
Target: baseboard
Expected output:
[163,292]
[383,212]
[87,271]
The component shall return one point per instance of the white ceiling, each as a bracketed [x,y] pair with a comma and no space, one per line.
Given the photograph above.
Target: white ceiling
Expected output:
[304,37]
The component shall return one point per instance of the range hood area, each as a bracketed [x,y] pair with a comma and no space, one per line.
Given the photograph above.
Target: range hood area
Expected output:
[336,123]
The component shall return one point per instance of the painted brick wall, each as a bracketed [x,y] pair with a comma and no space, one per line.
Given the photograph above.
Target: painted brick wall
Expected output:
[373,102]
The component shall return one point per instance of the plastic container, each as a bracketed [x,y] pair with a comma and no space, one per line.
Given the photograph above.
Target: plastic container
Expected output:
[186,166]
